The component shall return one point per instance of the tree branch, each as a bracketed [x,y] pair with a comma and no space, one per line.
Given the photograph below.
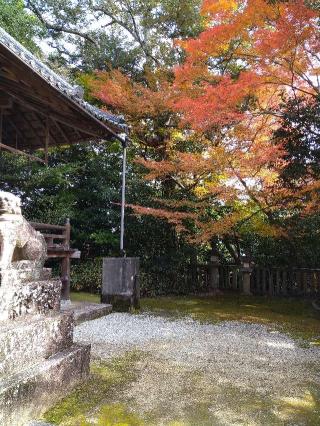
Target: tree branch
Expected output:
[134,32]
[58,28]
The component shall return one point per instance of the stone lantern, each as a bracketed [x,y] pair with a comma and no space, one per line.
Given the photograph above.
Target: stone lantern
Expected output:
[246,274]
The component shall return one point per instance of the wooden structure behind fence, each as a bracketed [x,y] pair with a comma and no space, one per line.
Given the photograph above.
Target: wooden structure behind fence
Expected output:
[58,246]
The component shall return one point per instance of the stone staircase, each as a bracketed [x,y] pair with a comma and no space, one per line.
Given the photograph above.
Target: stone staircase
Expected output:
[39,363]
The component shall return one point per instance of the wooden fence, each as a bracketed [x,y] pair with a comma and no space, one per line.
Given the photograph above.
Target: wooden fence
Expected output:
[286,281]
[263,281]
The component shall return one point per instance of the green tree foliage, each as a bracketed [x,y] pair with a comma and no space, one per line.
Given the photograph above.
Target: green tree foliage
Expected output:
[300,135]
[83,183]
[102,32]
[22,25]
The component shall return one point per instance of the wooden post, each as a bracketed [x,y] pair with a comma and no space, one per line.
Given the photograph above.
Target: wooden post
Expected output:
[278,281]
[47,140]
[314,283]
[284,289]
[271,282]
[1,125]
[65,278]
[65,265]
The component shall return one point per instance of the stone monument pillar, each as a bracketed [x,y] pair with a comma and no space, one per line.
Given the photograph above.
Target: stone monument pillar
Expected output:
[120,283]
[39,363]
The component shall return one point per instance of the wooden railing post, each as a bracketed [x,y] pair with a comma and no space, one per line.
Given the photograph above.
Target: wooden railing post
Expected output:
[278,282]
[65,266]
[284,288]
[271,282]
[67,233]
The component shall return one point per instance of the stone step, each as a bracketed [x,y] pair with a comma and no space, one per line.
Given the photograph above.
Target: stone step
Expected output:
[29,394]
[85,311]
[26,341]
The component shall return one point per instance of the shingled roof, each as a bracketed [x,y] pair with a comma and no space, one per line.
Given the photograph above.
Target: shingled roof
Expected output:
[32,95]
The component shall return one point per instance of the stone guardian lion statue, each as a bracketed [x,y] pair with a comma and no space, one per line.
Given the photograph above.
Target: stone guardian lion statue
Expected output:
[18,239]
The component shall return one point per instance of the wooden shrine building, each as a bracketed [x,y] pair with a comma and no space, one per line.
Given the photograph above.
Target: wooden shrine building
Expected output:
[39,110]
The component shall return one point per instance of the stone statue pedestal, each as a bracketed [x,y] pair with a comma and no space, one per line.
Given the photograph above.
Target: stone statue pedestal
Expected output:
[39,363]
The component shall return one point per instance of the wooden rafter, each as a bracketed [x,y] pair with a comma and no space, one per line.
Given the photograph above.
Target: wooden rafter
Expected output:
[1,124]
[47,140]
[28,84]
[65,137]
[42,110]
[43,125]
[18,151]
[16,128]
[30,126]
[64,119]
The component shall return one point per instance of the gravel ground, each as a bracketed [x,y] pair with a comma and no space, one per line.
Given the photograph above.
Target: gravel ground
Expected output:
[220,365]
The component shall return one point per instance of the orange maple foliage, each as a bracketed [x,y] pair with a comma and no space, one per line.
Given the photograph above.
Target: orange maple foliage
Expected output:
[213,124]
[250,49]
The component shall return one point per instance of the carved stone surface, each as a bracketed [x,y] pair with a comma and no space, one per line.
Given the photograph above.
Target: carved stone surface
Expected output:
[18,240]
[27,341]
[19,298]
[39,363]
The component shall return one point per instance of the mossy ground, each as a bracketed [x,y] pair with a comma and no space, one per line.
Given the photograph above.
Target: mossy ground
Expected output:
[200,401]
[95,395]
[118,390]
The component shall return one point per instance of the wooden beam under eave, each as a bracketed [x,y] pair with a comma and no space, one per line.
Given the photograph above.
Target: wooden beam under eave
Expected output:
[5,101]
[47,141]
[43,106]
[14,126]
[43,125]
[54,116]
[18,151]
[1,124]
[65,137]
[30,126]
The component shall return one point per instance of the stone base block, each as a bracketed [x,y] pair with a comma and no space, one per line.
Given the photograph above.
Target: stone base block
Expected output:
[36,297]
[23,271]
[29,394]
[121,302]
[28,340]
